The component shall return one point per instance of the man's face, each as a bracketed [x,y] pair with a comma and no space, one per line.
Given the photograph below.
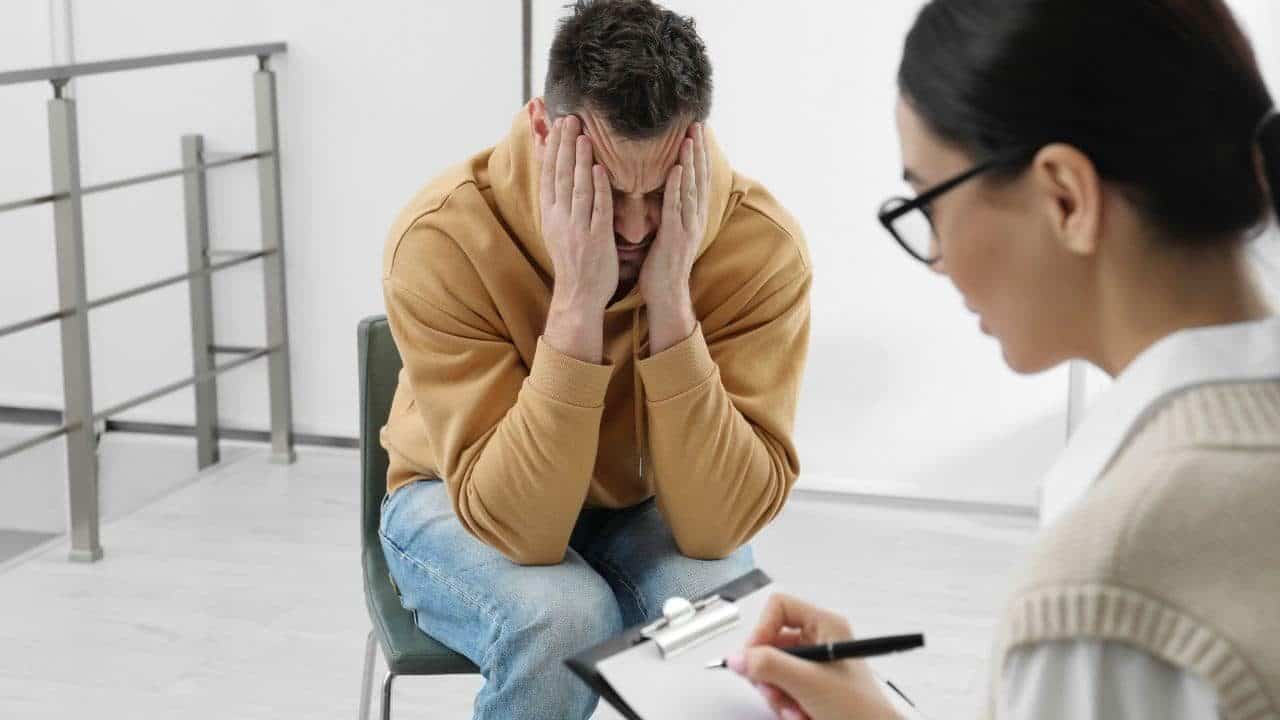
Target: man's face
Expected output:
[637,172]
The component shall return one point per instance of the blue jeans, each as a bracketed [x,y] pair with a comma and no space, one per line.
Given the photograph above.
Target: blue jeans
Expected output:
[518,623]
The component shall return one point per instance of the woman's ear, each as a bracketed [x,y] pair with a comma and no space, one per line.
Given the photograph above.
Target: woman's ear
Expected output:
[1072,191]
[539,123]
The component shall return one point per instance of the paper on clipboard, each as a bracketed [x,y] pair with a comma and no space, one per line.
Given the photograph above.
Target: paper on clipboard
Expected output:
[682,687]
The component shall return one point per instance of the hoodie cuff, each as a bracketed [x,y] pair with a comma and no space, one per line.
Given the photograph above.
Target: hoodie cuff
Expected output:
[567,379]
[678,369]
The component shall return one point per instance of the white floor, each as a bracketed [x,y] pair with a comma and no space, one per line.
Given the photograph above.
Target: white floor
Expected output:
[238,596]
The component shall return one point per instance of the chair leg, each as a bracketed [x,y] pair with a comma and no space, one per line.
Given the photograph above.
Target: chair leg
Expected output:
[386,695]
[366,687]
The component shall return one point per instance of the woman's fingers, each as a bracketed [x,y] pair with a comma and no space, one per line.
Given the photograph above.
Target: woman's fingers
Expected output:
[788,638]
[814,624]
[781,704]
[800,680]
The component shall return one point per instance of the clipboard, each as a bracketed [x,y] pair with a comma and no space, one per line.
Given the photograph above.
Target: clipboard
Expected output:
[685,626]
[712,615]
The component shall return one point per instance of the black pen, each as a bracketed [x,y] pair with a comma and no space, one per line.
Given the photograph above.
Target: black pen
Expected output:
[848,649]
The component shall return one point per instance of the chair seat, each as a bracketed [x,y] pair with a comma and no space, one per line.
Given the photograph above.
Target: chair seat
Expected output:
[408,650]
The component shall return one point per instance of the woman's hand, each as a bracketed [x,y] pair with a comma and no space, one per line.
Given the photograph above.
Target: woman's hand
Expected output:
[802,690]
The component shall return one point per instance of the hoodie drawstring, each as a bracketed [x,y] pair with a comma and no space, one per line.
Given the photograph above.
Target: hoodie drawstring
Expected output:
[637,393]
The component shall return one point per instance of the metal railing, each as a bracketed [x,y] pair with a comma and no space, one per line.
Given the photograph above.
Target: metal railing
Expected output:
[79,416]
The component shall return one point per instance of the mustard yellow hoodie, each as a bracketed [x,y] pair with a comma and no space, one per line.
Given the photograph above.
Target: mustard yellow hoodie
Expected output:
[523,436]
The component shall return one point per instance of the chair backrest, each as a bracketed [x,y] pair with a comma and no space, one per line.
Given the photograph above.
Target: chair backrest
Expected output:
[379,369]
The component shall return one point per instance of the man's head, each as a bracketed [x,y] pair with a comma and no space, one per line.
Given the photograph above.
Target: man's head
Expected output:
[637,75]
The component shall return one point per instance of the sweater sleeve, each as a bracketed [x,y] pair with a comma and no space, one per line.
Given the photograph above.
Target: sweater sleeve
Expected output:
[516,445]
[721,411]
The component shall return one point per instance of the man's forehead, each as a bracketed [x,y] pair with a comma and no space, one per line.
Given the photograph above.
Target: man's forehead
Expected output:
[634,165]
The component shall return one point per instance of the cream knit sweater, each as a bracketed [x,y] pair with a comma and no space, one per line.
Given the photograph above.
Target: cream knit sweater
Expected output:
[1175,551]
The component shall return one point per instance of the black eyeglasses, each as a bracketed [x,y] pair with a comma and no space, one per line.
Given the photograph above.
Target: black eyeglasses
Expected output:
[908,219]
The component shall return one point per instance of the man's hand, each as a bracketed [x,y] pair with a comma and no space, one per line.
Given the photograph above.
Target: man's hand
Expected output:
[577,226]
[664,280]
[802,690]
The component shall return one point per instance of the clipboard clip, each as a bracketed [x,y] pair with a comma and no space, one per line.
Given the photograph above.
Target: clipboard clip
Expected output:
[685,624]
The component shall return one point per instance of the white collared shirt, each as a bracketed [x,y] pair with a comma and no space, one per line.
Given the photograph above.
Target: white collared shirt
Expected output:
[1186,359]
[1093,679]
[1097,680]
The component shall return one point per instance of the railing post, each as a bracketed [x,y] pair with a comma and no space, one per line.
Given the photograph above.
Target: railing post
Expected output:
[273,268]
[77,385]
[201,291]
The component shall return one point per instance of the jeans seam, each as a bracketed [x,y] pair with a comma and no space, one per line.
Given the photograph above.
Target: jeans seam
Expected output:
[443,579]
[598,557]
[623,580]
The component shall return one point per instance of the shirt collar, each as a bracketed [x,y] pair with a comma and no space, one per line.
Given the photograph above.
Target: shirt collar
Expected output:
[1184,360]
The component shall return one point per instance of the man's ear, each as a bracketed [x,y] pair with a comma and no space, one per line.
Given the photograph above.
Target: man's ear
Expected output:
[1069,183]
[539,123]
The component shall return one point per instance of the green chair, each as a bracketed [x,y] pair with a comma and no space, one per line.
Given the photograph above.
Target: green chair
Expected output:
[407,650]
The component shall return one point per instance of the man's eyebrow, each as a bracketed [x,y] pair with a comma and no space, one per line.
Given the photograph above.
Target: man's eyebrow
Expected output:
[912,178]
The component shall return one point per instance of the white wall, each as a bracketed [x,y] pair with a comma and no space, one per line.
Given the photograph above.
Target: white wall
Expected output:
[26,236]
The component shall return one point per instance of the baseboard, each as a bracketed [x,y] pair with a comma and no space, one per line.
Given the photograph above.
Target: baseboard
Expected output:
[905,495]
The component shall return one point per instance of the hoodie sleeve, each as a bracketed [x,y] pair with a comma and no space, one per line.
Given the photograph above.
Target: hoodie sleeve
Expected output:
[516,445]
[721,410]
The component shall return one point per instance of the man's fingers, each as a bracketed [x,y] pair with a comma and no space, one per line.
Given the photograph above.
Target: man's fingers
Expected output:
[688,187]
[547,181]
[703,156]
[583,194]
[565,160]
[671,196]
[602,207]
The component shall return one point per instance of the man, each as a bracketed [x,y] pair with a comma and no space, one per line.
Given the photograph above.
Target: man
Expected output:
[603,330]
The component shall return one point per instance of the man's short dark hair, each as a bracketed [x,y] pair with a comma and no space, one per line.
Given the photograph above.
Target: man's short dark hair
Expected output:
[635,63]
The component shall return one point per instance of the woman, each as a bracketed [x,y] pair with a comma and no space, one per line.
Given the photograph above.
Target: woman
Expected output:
[1088,173]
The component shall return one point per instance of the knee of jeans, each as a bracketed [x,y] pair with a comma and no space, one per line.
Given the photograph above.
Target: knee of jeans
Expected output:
[689,578]
[741,562]
[560,618]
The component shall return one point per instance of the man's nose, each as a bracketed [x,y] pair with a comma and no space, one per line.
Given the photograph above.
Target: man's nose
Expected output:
[629,220]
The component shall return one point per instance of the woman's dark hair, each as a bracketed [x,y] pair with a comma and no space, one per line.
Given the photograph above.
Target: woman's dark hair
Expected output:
[1164,96]
[634,62]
